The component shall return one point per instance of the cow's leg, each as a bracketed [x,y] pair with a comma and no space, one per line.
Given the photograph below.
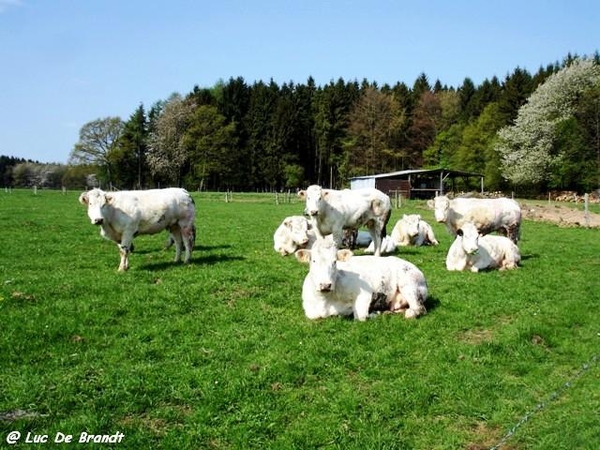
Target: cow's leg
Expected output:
[431,237]
[375,233]
[338,237]
[512,232]
[361,306]
[411,295]
[125,249]
[176,234]
[124,252]
[188,236]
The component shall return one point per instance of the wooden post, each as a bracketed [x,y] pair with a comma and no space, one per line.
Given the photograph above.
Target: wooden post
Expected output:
[586,199]
[276,198]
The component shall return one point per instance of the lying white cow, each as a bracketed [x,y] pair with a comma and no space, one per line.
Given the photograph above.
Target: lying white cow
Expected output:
[412,230]
[331,211]
[341,284]
[387,246]
[293,233]
[125,214]
[474,252]
[494,214]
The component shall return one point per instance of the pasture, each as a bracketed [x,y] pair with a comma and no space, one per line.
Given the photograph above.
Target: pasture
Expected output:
[217,354]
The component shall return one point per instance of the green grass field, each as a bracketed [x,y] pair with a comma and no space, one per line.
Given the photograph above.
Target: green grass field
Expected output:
[217,354]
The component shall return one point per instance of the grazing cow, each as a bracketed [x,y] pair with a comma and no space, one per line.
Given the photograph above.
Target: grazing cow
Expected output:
[293,233]
[387,246]
[472,251]
[341,284]
[412,230]
[125,214]
[493,214]
[331,211]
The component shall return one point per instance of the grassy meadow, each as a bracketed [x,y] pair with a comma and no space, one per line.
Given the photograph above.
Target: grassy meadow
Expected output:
[217,354]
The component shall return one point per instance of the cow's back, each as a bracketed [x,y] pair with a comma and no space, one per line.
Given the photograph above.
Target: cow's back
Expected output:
[153,210]
[486,214]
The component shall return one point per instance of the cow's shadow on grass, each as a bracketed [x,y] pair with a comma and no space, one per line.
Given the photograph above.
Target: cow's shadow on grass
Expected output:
[526,256]
[432,303]
[199,258]
[197,248]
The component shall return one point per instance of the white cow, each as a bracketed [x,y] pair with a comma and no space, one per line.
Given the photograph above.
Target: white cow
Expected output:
[125,214]
[475,252]
[331,211]
[493,214]
[293,233]
[341,284]
[387,246]
[412,230]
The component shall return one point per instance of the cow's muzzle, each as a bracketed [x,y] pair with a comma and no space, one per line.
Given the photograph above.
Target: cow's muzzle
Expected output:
[98,221]
[325,287]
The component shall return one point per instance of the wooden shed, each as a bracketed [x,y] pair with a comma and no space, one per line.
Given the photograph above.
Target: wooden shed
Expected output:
[416,183]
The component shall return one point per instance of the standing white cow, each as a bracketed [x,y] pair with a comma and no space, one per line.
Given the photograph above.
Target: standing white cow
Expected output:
[487,214]
[474,252]
[341,284]
[331,211]
[412,230]
[125,214]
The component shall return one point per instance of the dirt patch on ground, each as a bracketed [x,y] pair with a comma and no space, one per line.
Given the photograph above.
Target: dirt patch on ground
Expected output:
[560,214]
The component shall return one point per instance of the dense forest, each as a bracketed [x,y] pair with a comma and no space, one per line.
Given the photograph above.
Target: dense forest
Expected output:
[532,131]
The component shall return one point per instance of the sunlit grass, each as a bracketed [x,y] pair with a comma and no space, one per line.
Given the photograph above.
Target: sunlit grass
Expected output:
[218,354]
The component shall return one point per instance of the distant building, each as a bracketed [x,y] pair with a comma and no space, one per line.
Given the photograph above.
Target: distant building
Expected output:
[416,183]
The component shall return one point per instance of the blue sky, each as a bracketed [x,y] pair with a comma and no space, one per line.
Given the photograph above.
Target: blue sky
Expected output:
[64,63]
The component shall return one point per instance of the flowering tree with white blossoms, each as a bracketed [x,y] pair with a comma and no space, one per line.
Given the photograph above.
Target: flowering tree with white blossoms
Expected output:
[527,148]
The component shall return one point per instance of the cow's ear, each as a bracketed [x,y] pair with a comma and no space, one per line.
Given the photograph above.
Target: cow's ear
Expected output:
[324,194]
[404,216]
[83,198]
[303,255]
[344,255]
[302,194]
[288,223]
[430,204]
[418,216]
[459,232]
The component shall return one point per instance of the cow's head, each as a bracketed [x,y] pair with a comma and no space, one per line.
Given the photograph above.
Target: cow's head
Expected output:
[313,196]
[469,236]
[323,258]
[411,224]
[291,234]
[441,205]
[95,200]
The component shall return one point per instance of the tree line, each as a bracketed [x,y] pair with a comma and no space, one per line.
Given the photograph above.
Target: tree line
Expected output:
[535,131]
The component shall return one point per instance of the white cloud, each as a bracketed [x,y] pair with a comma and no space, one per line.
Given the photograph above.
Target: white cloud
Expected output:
[5,4]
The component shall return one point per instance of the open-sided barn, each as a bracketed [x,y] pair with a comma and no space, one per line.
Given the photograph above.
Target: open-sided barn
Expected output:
[415,183]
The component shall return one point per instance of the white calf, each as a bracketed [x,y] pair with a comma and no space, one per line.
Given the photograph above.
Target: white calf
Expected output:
[341,284]
[472,251]
[125,214]
[332,211]
[412,230]
[292,234]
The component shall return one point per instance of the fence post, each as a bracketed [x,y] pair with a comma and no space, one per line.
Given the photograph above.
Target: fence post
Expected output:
[276,198]
[586,199]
